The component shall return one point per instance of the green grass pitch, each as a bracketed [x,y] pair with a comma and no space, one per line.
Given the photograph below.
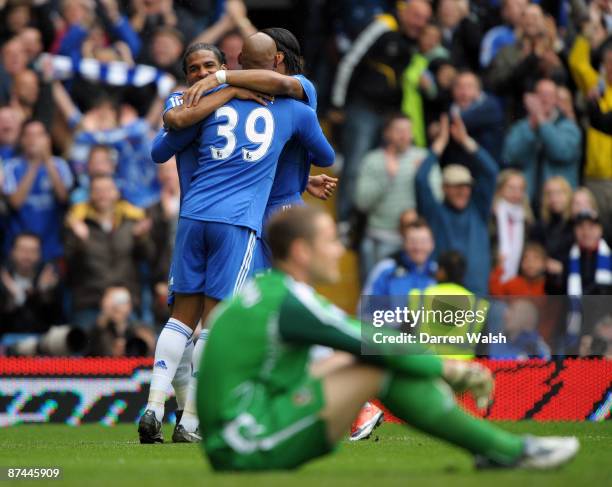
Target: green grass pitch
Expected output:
[111,456]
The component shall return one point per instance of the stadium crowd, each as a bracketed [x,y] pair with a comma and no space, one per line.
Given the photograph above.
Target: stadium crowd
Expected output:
[474,133]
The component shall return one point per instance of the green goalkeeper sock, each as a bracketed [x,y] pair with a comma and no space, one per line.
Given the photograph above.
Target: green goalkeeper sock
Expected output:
[429,405]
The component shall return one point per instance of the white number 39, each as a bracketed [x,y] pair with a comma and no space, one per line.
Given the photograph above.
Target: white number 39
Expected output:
[263,139]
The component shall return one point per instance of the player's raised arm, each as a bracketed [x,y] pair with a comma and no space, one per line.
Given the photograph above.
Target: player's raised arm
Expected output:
[308,131]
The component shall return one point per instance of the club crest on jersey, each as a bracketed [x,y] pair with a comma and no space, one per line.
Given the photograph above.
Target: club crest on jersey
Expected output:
[160,364]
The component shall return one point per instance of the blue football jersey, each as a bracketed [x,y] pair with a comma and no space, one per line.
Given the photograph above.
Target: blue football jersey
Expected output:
[182,144]
[293,167]
[41,212]
[239,147]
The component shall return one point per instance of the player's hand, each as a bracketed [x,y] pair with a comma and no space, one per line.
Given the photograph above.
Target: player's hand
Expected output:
[472,377]
[192,95]
[244,94]
[321,186]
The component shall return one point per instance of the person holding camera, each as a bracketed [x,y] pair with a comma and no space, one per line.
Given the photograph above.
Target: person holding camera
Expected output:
[116,333]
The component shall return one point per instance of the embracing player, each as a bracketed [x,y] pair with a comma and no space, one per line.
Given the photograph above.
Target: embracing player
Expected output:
[199,61]
[221,214]
[265,406]
[282,75]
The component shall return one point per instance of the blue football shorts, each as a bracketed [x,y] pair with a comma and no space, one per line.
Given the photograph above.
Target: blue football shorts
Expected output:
[211,258]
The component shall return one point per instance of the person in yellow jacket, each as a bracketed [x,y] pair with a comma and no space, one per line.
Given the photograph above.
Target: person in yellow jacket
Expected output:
[597,87]
[449,311]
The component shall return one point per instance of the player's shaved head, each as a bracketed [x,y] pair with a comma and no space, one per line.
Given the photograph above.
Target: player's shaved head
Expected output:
[258,52]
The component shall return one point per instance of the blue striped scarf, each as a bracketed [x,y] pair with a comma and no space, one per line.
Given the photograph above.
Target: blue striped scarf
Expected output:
[603,276]
[603,273]
[115,73]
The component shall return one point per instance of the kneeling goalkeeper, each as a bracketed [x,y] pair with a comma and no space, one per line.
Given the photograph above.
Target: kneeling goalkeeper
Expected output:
[264,405]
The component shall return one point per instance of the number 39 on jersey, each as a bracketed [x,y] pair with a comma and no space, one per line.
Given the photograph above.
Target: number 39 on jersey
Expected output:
[262,139]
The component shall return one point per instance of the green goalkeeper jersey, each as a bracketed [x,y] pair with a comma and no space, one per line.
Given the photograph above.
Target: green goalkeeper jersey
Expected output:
[261,340]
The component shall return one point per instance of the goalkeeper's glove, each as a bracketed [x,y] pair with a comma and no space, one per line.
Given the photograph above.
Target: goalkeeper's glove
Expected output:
[465,376]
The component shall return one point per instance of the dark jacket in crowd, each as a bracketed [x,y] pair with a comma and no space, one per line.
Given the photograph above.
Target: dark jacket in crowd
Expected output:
[106,258]
[464,231]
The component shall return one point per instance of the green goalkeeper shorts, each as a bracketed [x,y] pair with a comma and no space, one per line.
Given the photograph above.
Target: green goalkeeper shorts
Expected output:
[273,431]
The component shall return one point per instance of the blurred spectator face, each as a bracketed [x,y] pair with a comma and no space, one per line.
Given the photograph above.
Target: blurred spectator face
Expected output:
[18,18]
[533,21]
[35,141]
[513,190]
[100,162]
[200,64]
[168,176]
[77,11]
[9,126]
[418,244]
[520,315]
[583,200]
[446,76]
[231,45]
[466,90]
[152,7]
[117,304]
[106,115]
[103,193]
[533,263]
[96,41]
[398,135]
[14,57]
[457,195]
[556,196]
[603,332]
[26,255]
[26,88]
[450,13]
[512,11]
[429,38]
[32,42]
[547,93]
[413,17]
[166,49]
[588,234]
[407,217]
